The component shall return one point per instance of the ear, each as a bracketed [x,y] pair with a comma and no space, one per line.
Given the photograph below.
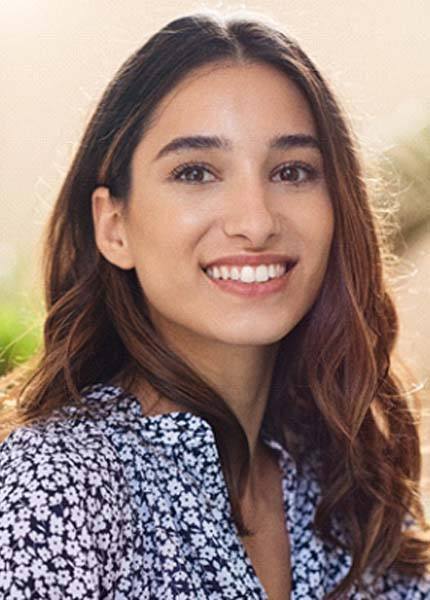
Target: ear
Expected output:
[109,229]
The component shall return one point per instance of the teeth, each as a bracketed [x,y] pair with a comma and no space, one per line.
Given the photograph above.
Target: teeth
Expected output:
[247,274]
[280,270]
[224,272]
[261,273]
[235,273]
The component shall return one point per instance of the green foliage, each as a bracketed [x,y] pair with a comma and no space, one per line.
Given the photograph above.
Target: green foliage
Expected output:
[20,335]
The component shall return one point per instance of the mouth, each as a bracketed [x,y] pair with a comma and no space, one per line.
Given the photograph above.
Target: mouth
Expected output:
[249,275]
[246,286]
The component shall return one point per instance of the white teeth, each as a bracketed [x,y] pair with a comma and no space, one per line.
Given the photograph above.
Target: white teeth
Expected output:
[224,272]
[281,269]
[235,273]
[272,271]
[247,274]
[261,273]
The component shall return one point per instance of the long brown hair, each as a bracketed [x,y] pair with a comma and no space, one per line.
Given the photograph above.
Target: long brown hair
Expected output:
[333,384]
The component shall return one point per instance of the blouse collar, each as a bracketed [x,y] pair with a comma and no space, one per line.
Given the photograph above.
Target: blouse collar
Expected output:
[174,433]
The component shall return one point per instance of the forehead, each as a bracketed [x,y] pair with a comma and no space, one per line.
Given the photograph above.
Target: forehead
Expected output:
[230,98]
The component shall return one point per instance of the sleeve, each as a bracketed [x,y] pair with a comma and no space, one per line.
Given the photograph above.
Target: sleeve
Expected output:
[60,519]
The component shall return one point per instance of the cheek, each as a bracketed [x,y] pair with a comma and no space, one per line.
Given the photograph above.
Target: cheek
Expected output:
[315,225]
[316,232]
[322,239]
[165,247]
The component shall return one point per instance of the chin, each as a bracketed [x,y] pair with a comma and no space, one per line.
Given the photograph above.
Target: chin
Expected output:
[260,336]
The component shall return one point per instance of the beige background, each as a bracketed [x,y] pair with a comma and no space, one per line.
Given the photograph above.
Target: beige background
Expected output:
[56,56]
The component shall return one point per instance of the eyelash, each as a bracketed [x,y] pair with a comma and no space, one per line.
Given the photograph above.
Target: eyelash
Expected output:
[311,172]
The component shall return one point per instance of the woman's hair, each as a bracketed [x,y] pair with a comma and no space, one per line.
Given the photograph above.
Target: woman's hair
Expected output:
[333,386]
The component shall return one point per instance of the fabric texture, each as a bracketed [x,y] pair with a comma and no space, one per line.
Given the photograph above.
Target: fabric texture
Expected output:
[129,507]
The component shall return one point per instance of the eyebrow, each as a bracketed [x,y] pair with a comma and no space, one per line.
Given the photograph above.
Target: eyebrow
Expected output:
[278,142]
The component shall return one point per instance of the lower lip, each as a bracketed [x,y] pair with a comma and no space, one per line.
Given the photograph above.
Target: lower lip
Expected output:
[253,290]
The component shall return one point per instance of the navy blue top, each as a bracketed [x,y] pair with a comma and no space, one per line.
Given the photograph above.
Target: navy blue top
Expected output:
[129,506]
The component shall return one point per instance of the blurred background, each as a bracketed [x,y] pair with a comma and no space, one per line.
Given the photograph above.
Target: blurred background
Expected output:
[56,57]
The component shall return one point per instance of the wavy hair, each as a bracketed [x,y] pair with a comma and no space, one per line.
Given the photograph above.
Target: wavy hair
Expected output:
[336,391]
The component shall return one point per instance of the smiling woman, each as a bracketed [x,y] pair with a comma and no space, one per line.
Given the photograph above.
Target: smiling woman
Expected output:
[214,414]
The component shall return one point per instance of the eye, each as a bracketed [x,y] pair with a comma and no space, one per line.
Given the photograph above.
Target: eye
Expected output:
[297,173]
[190,173]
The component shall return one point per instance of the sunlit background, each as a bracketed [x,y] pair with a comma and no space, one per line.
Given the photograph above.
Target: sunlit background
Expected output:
[56,57]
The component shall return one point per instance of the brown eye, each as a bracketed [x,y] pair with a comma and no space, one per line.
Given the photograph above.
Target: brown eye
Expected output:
[291,173]
[193,173]
[297,173]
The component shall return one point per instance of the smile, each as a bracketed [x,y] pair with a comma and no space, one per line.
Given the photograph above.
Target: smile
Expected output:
[247,273]
[250,281]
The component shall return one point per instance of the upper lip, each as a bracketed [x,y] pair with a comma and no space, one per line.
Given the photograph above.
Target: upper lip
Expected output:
[252,260]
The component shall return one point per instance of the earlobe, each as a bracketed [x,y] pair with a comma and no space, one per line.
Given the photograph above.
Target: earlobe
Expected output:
[109,229]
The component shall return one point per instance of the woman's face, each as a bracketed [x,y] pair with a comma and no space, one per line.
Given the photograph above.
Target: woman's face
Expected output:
[191,206]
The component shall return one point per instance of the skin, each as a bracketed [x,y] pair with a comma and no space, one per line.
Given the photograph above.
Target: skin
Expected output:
[244,203]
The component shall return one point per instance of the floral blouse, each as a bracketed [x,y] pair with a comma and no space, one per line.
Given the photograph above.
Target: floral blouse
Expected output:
[129,507]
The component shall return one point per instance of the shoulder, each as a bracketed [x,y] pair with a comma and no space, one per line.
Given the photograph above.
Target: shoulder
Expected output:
[63,505]
[75,448]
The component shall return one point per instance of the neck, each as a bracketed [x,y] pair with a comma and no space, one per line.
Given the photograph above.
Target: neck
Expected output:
[242,376]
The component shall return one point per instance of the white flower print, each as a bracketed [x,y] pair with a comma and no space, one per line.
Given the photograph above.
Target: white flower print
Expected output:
[55,544]
[71,496]
[22,557]
[72,548]
[56,498]
[15,593]
[38,568]
[127,507]
[36,536]
[38,498]
[224,577]
[191,517]
[44,470]
[21,572]
[77,515]
[64,577]
[4,537]
[41,513]
[56,525]
[20,529]
[76,589]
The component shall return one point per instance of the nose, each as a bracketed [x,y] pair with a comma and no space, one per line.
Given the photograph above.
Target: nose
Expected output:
[249,213]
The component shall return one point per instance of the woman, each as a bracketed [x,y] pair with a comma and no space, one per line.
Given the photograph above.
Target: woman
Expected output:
[214,414]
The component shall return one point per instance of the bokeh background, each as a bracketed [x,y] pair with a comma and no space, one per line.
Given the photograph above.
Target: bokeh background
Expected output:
[56,57]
